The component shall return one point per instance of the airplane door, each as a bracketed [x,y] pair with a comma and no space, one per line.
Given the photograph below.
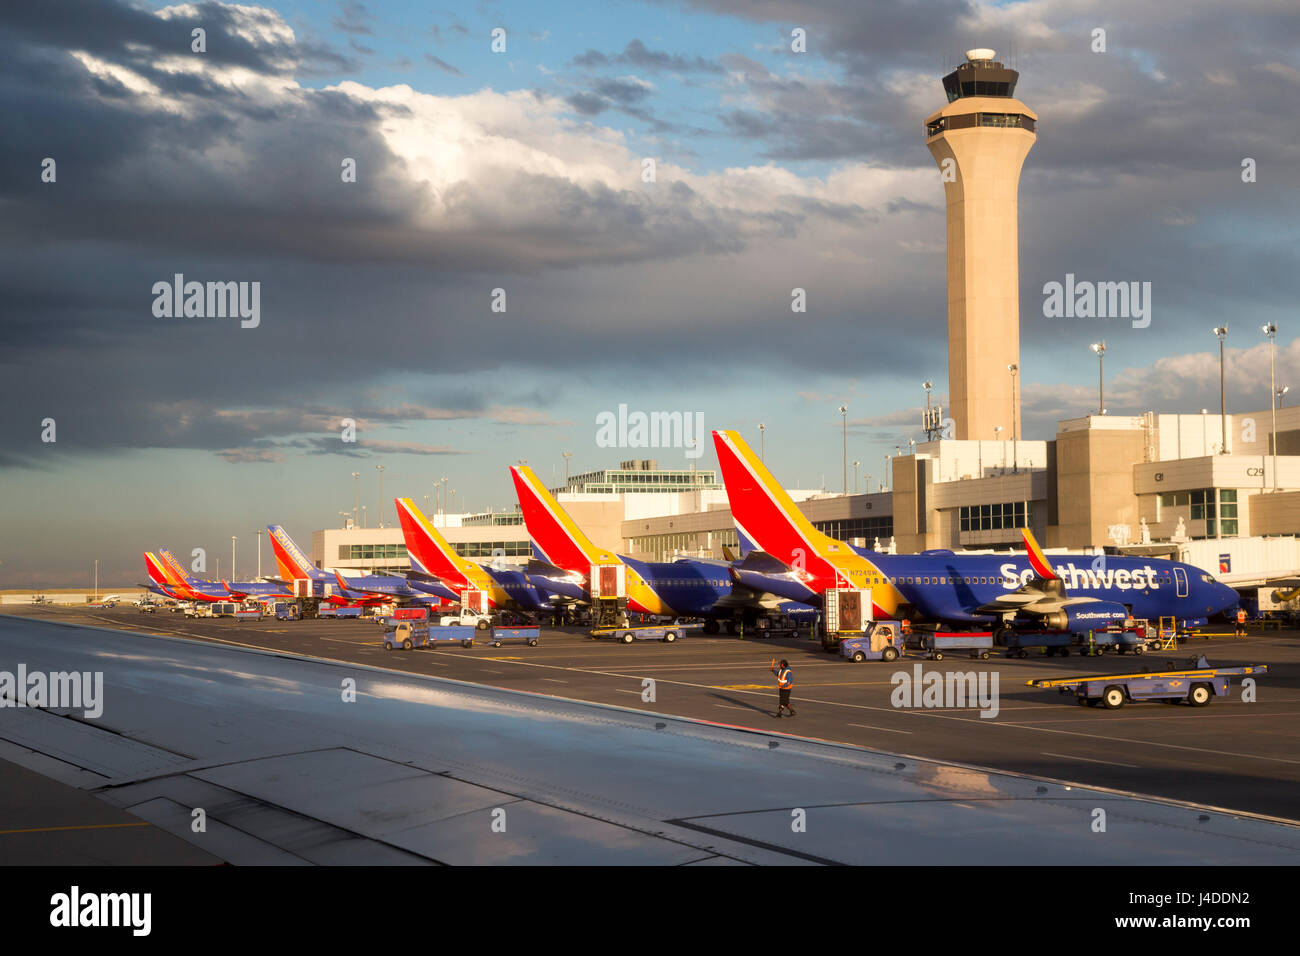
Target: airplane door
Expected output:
[1180,581]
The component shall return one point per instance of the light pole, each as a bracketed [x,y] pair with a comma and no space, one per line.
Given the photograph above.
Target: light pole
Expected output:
[232,557]
[997,430]
[869,484]
[844,421]
[855,478]
[762,442]
[1271,331]
[259,549]
[566,455]
[1015,418]
[380,469]
[1100,349]
[1221,332]
[97,579]
[363,516]
[344,516]
[442,493]
[885,487]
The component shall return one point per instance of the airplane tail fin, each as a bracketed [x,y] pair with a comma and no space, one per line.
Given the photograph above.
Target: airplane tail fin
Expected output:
[429,551]
[155,569]
[292,561]
[1037,559]
[766,518]
[176,574]
[557,539]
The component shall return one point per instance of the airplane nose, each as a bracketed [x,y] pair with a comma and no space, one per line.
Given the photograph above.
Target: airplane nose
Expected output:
[1230,598]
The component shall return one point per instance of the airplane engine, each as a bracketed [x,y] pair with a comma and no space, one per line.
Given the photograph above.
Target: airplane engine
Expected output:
[1091,616]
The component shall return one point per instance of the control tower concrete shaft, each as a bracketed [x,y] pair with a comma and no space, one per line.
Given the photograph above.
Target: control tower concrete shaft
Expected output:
[980,140]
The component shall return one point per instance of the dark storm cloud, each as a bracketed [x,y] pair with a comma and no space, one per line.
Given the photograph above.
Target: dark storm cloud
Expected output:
[357,291]
[119,31]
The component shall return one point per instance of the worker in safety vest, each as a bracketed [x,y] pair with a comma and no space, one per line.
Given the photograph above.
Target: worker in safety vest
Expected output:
[1241,622]
[784,684]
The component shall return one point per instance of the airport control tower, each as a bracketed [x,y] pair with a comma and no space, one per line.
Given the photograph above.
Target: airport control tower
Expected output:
[980,140]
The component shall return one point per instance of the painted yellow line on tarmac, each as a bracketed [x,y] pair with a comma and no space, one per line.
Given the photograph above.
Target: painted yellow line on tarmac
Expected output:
[90,826]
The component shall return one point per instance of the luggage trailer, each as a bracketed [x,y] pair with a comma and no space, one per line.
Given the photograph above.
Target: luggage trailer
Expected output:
[1198,685]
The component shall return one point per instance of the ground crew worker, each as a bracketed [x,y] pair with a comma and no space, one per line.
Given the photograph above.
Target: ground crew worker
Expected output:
[784,683]
[1241,622]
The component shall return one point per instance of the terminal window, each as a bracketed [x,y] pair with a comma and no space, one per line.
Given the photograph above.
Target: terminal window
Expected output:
[866,528]
[488,549]
[996,517]
[370,552]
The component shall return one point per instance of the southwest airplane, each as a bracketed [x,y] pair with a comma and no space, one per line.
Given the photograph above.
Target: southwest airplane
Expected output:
[199,590]
[366,589]
[160,583]
[173,582]
[1010,591]
[688,587]
[539,587]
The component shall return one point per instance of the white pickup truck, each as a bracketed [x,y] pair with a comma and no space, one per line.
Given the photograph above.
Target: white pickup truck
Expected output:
[466,617]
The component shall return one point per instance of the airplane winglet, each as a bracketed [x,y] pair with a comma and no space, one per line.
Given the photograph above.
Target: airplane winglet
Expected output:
[1037,560]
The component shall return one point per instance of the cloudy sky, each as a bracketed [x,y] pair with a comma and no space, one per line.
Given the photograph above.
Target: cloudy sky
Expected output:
[523,170]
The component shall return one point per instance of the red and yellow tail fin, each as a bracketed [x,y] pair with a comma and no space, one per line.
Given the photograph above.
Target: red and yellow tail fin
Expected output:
[289,558]
[557,539]
[770,521]
[172,568]
[762,510]
[156,570]
[1037,560]
[431,553]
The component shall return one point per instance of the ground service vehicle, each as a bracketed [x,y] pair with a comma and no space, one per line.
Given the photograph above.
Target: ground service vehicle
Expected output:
[848,613]
[937,643]
[462,634]
[883,641]
[467,617]
[407,635]
[626,635]
[530,635]
[1197,684]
